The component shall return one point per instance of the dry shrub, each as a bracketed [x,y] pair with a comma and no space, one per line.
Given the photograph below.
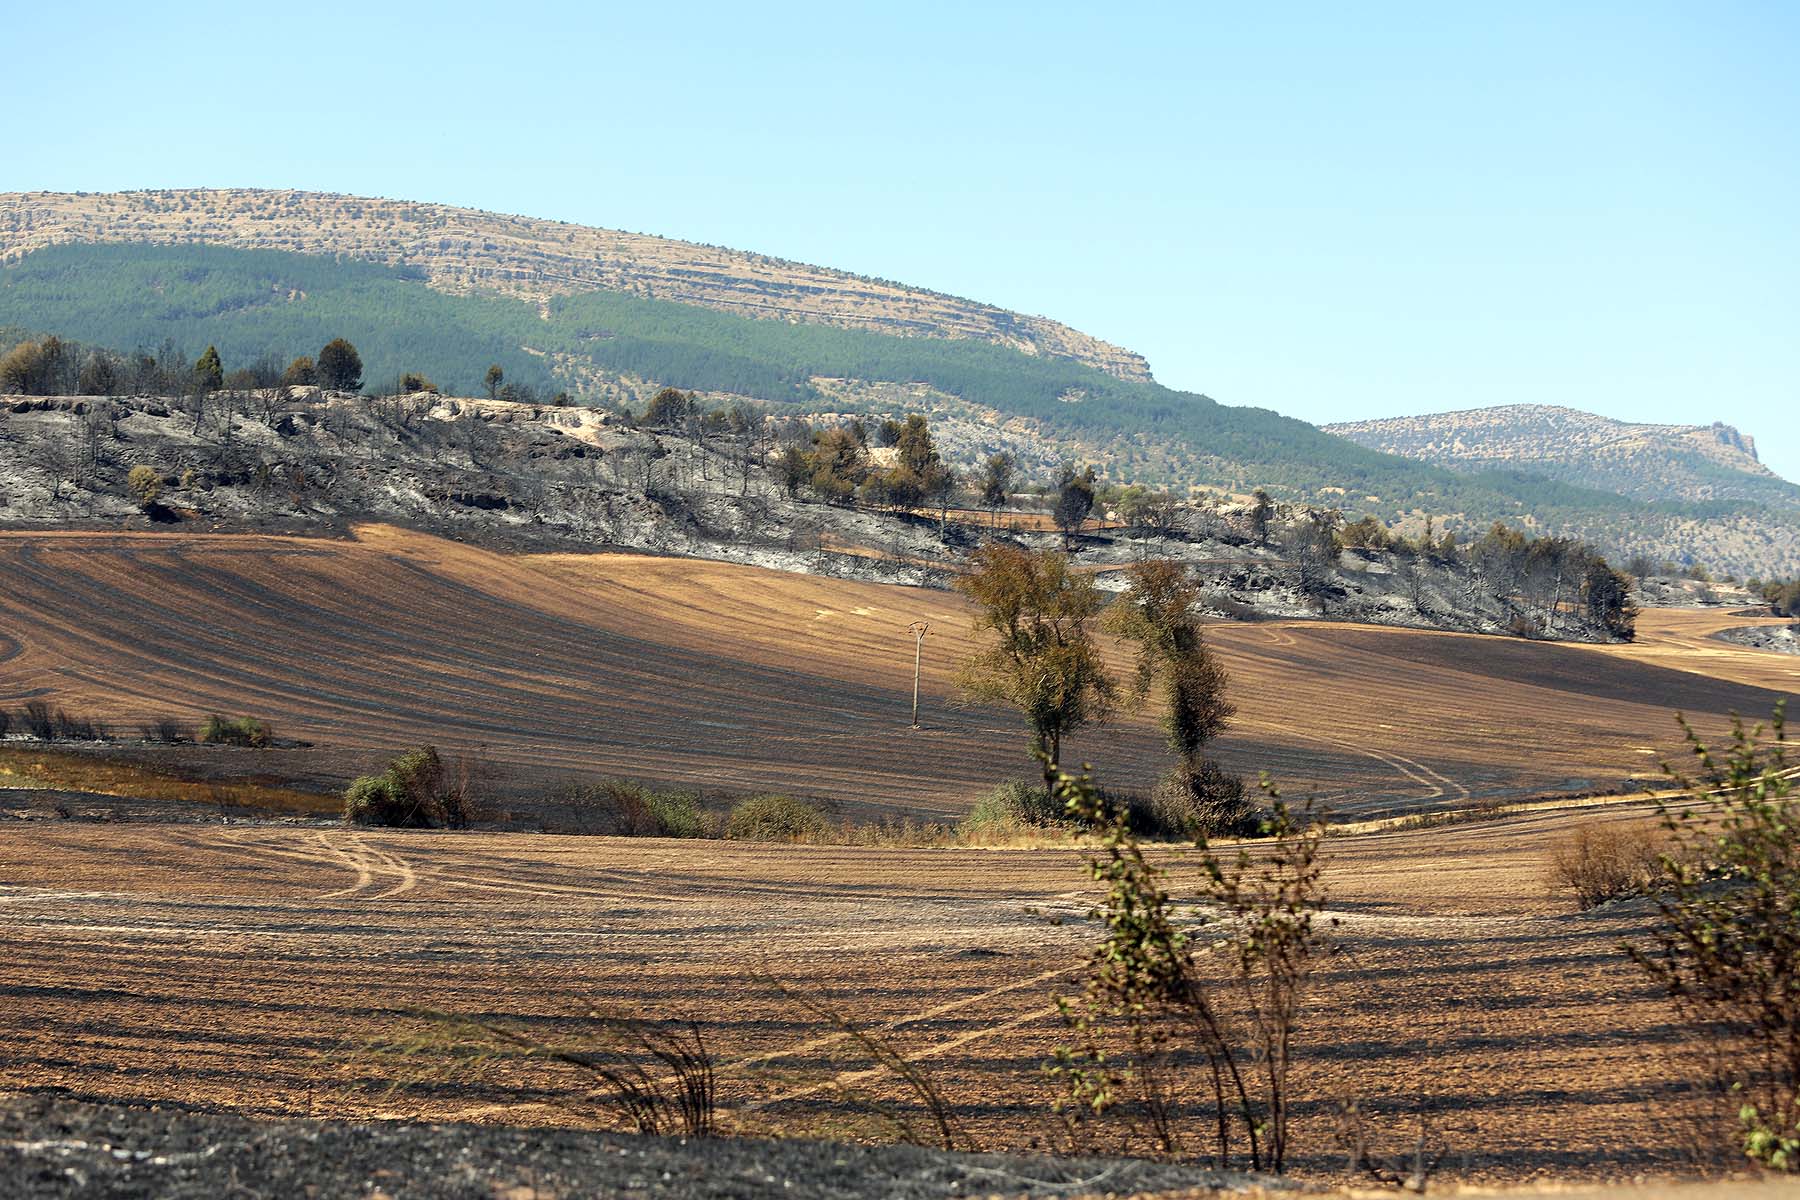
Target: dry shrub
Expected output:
[1602,861]
[652,1077]
[776,819]
[165,731]
[1209,802]
[38,721]
[1229,606]
[236,731]
[945,1130]
[620,808]
[891,831]
[71,728]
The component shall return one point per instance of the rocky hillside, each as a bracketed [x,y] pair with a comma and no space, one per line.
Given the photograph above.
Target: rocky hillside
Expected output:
[536,476]
[1646,462]
[459,250]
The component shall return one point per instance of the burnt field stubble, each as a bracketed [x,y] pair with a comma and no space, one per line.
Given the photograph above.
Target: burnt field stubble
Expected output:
[270,970]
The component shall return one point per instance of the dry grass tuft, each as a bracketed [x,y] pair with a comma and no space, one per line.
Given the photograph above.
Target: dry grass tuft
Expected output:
[76,772]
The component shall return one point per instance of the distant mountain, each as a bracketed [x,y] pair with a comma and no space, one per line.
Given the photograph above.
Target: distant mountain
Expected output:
[1696,463]
[610,317]
[459,250]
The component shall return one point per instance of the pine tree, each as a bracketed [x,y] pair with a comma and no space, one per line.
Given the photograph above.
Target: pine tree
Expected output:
[340,367]
[209,372]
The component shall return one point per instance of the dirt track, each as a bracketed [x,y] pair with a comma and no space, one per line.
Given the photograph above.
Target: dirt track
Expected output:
[732,677]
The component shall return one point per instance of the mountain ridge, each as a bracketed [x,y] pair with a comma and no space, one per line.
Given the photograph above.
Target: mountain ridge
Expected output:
[1643,460]
[459,250]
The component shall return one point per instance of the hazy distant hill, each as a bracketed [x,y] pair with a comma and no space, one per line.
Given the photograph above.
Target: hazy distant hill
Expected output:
[1648,462]
[461,250]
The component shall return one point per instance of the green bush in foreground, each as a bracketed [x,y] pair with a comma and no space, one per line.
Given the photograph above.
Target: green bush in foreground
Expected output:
[236,731]
[1164,1007]
[418,790]
[775,819]
[1015,806]
[1726,950]
[379,800]
[1211,804]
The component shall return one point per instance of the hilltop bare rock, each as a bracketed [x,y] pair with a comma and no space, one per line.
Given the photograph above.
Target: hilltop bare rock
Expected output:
[1646,462]
[463,250]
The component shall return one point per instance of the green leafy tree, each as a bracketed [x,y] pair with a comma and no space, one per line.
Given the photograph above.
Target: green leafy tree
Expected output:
[1261,510]
[1315,546]
[340,367]
[1041,658]
[919,472]
[99,375]
[1157,616]
[1159,1005]
[1607,594]
[493,379]
[1154,512]
[209,372]
[34,368]
[792,470]
[1366,533]
[839,462]
[670,408]
[915,451]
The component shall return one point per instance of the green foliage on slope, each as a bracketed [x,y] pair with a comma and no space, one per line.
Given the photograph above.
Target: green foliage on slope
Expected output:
[250,303]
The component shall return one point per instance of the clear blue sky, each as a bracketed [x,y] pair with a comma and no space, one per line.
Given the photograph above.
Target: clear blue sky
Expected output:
[1334,211]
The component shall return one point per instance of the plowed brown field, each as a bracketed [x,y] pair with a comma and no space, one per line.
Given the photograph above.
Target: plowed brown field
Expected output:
[734,677]
[253,968]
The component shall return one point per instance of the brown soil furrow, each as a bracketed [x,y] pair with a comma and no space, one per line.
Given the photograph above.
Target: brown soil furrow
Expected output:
[143,965]
[735,678]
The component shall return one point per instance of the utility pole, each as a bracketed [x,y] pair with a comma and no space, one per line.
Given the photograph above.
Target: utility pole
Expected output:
[918,629]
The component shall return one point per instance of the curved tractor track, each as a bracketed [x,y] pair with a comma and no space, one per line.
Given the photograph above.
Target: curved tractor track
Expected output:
[723,676]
